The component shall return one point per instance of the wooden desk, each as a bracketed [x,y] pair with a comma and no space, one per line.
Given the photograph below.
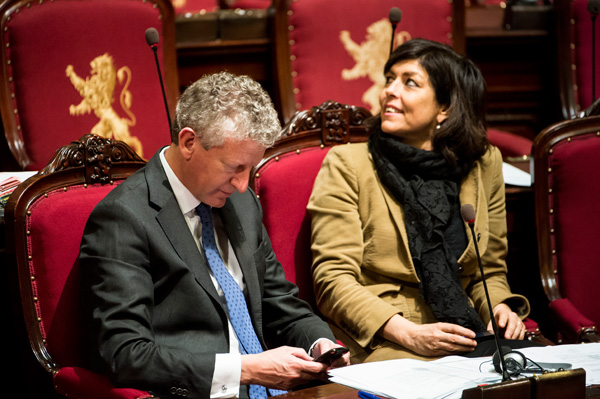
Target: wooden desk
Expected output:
[336,391]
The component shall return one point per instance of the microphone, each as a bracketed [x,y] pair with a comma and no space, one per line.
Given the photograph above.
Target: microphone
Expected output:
[395,16]
[593,8]
[152,40]
[468,214]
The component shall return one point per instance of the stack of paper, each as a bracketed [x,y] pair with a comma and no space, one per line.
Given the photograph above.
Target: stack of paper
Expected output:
[8,182]
[411,379]
[448,377]
[515,176]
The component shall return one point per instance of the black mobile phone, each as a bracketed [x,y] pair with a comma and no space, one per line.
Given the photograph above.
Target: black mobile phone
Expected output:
[332,355]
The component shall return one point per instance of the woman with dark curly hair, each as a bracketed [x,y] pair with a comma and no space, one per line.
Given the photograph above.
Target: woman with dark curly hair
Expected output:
[394,269]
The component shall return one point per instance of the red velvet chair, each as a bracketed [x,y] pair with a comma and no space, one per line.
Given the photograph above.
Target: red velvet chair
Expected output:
[45,217]
[574,51]
[336,50]
[316,61]
[284,179]
[74,67]
[567,193]
[190,7]
[249,4]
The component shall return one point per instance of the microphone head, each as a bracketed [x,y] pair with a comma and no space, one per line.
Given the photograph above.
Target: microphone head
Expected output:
[515,361]
[593,6]
[395,15]
[151,37]
[468,213]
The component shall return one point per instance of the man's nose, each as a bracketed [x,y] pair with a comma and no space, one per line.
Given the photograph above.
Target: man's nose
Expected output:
[240,181]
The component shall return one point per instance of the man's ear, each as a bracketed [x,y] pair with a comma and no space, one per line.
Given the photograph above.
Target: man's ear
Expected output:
[187,137]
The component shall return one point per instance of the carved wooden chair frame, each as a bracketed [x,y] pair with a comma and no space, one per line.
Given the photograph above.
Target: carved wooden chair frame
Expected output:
[92,160]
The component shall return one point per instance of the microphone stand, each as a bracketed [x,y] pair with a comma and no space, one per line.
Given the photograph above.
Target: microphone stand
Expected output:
[152,40]
[594,56]
[593,7]
[394,24]
[505,376]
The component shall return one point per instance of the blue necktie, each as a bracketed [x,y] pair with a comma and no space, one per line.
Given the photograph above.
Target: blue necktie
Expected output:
[236,302]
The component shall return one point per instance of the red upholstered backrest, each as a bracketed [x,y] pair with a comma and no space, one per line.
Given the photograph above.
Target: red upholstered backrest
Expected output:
[56,224]
[510,144]
[250,4]
[339,47]
[183,7]
[581,24]
[76,67]
[574,181]
[284,186]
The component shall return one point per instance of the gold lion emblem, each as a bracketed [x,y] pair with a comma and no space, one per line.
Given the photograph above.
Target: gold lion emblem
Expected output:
[370,57]
[97,91]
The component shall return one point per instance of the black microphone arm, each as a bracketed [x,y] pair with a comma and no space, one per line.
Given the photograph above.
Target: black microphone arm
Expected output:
[593,8]
[152,40]
[395,16]
[468,215]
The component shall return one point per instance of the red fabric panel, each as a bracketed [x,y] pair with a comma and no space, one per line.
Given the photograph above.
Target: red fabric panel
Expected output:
[319,56]
[75,382]
[510,144]
[284,188]
[582,35]
[194,6]
[531,325]
[575,185]
[56,224]
[251,4]
[569,318]
[45,38]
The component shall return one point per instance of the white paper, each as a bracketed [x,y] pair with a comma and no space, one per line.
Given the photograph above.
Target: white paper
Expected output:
[515,176]
[446,378]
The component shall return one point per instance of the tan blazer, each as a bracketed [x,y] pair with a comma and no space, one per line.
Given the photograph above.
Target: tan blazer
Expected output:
[362,269]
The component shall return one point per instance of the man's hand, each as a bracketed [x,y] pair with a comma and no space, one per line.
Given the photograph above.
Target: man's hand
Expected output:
[323,345]
[282,368]
[508,320]
[436,339]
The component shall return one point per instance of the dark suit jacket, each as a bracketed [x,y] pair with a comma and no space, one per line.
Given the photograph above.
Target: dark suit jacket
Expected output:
[157,319]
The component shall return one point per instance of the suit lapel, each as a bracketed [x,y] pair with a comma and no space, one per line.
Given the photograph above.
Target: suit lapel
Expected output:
[173,224]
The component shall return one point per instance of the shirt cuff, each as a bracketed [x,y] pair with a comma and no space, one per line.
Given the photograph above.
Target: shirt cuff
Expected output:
[310,350]
[227,375]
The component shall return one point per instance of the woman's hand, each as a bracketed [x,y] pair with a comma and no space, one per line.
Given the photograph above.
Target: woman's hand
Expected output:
[508,320]
[437,339]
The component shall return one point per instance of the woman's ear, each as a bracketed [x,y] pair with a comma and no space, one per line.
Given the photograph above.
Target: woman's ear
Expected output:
[442,115]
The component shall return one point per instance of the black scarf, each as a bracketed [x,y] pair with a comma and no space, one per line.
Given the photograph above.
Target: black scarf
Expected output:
[428,191]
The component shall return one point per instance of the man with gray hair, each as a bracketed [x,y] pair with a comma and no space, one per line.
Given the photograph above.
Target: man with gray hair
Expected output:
[185,293]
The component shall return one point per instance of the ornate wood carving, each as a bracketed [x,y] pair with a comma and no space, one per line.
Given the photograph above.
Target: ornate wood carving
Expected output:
[94,153]
[333,118]
[335,126]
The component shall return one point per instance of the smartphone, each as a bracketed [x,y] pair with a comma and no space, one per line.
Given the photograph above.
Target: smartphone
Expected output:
[332,355]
